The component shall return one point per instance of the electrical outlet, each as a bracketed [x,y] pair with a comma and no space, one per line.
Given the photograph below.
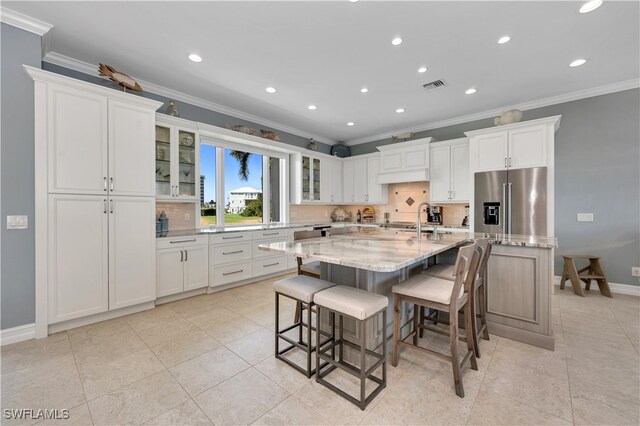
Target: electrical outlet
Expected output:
[17,222]
[585,217]
[635,271]
[187,217]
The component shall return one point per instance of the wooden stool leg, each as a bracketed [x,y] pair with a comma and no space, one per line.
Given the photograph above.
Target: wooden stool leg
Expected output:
[472,339]
[565,274]
[575,279]
[396,330]
[603,284]
[482,305]
[417,319]
[455,361]
[471,328]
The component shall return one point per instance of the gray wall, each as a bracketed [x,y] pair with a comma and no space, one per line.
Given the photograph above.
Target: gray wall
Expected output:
[191,112]
[17,273]
[597,150]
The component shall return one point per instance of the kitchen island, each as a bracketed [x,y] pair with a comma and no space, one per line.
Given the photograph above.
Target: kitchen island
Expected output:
[519,274]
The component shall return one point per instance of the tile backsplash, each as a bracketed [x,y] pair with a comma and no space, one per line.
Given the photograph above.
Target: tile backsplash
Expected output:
[176,213]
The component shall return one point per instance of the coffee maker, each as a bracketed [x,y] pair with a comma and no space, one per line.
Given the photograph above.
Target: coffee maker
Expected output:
[465,221]
[434,215]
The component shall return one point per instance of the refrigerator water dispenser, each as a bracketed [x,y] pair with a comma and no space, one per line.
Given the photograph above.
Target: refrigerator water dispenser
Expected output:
[491,213]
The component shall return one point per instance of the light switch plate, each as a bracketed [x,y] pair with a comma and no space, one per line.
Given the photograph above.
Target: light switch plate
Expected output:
[17,222]
[585,217]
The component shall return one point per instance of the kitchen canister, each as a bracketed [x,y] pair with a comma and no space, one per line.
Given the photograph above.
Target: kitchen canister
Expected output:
[164,223]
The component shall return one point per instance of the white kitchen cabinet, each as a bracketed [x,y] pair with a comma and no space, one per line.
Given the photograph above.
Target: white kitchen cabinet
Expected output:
[177,160]
[513,146]
[182,264]
[78,262]
[98,145]
[331,178]
[132,263]
[404,161]
[449,171]
[310,179]
[360,181]
[94,197]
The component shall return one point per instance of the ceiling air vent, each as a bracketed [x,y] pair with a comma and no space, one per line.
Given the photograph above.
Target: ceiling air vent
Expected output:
[437,84]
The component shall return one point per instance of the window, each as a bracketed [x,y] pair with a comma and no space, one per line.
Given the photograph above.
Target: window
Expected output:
[241,186]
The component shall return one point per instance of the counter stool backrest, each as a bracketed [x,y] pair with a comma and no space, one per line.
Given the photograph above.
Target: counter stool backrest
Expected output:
[464,251]
[486,246]
[303,235]
[469,275]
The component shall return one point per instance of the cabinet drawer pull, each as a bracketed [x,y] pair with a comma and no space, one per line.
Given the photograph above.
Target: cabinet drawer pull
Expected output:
[232,238]
[233,252]
[270,233]
[182,241]
[234,272]
[270,264]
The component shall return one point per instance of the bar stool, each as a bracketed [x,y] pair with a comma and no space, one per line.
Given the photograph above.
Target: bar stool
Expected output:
[447,272]
[311,269]
[446,296]
[302,290]
[359,305]
[593,272]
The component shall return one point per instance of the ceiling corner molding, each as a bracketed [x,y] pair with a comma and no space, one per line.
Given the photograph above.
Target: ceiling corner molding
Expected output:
[87,68]
[24,22]
[554,100]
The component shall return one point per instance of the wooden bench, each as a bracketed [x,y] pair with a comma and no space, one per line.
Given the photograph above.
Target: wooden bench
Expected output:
[593,272]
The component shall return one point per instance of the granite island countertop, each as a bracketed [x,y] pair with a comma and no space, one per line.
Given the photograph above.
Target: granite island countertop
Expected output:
[381,250]
[255,227]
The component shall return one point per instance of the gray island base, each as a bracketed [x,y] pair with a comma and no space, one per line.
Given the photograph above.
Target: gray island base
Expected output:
[519,275]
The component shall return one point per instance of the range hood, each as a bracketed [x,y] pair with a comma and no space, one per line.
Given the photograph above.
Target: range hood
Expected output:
[405,161]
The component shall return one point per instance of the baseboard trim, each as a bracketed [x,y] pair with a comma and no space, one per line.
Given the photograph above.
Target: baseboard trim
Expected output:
[103,316]
[628,289]
[17,334]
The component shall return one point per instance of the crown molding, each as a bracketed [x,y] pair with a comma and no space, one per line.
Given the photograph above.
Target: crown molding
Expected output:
[568,97]
[24,22]
[87,68]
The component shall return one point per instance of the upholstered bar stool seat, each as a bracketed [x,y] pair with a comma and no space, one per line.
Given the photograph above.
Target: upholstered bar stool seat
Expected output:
[427,287]
[302,289]
[359,305]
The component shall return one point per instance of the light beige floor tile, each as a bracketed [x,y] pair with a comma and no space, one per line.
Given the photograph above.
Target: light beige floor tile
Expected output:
[187,413]
[100,379]
[37,370]
[99,330]
[98,351]
[231,329]
[207,370]
[78,416]
[242,399]
[30,354]
[605,380]
[494,409]
[281,373]
[265,315]
[394,410]
[139,401]
[209,316]
[192,343]
[166,332]
[292,412]
[601,410]
[255,347]
[35,344]
[161,315]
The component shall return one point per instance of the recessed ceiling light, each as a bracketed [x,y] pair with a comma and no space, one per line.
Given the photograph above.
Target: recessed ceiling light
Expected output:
[364,90]
[422,69]
[396,41]
[351,123]
[312,107]
[400,110]
[195,58]
[353,1]
[503,40]
[470,91]
[270,89]
[590,6]
[577,62]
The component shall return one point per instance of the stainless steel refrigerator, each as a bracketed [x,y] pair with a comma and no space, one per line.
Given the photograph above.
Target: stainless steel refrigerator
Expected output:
[511,202]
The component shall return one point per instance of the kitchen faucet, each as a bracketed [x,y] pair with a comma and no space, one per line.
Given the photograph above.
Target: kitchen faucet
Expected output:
[419,226]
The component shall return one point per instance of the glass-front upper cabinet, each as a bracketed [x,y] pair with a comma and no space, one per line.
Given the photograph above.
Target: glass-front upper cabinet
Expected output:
[316,179]
[306,178]
[310,179]
[176,162]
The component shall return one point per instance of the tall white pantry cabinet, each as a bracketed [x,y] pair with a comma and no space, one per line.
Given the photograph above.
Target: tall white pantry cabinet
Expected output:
[95,199]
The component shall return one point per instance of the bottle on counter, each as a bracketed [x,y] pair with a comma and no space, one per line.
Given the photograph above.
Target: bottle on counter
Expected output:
[164,223]
[359,216]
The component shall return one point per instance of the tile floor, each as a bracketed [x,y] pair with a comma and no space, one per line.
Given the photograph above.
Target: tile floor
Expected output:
[209,359]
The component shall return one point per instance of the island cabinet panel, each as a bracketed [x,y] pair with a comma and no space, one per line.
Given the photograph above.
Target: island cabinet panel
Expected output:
[518,292]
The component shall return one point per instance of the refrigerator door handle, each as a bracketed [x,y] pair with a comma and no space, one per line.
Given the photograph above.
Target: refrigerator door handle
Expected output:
[504,206]
[509,219]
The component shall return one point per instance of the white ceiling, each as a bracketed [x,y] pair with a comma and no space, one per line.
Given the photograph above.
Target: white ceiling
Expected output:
[323,53]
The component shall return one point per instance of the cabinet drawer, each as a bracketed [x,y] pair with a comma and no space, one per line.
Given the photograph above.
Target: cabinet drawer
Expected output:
[225,274]
[231,237]
[269,265]
[270,234]
[189,240]
[259,254]
[222,254]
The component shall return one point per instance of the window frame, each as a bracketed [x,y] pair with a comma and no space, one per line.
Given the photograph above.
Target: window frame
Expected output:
[283,158]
